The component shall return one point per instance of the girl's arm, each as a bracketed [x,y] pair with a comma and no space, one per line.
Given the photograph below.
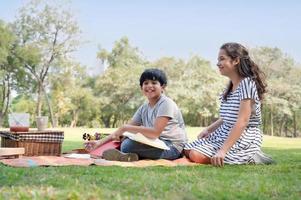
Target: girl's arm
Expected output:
[150,132]
[211,128]
[244,114]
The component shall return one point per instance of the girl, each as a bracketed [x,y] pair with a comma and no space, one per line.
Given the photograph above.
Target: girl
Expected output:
[235,138]
[159,117]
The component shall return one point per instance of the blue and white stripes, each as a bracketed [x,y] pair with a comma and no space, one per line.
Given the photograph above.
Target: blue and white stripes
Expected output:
[251,138]
[230,107]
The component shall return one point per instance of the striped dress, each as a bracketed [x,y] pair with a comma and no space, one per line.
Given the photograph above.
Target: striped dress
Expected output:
[249,142]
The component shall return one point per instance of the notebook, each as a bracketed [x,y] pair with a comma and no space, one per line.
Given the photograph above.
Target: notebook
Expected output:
[138,137]
[109,145]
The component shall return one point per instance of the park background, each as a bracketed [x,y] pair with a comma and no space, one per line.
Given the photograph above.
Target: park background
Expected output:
[54,61]
[79,62]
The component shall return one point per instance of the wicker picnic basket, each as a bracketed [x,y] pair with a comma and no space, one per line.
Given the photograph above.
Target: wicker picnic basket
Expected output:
[35,143]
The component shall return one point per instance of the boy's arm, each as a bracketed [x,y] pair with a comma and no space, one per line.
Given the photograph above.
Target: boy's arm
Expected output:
[133,123]
[150,132]
[91,145]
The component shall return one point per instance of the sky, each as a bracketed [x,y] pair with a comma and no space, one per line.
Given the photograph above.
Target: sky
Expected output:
[180,28]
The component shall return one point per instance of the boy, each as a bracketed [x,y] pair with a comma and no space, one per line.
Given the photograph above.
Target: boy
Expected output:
[159,117]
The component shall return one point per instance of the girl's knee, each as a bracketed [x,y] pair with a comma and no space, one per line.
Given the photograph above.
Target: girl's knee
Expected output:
[197,157]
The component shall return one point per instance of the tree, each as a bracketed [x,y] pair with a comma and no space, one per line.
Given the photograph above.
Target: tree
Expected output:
[118,93]
[72,96]
[122,55]
[23,103]
[117,89]
[52,34]
[195,87]
[6,39]
[281,106]
[12,75]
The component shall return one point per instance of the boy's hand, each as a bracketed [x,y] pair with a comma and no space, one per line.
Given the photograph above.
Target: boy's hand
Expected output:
[205,133]
[91,145]
[117,135]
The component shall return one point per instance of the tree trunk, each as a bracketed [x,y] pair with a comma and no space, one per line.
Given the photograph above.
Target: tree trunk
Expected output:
[56,121]
[75,119]
[272,125]
[286,130]
[49,108]
[282,123]
[39,102]
[106,121]
[5,99]
[114,122]
[264,121]
[295,125]
[1,119]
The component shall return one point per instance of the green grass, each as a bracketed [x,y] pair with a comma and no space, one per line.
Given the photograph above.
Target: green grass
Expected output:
[280,181]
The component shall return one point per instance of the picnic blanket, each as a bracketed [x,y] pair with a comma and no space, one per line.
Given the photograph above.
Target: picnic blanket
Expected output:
[38,161]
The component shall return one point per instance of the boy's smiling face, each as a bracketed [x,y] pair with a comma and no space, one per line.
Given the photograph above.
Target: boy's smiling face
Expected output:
[152,89]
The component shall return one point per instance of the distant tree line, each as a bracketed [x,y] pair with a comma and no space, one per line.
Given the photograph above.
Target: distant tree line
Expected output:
[36,63]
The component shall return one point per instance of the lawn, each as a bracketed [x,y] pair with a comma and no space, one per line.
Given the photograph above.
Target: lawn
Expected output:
[279,181]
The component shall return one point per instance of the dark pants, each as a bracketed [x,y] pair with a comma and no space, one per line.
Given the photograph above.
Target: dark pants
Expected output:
[148,152]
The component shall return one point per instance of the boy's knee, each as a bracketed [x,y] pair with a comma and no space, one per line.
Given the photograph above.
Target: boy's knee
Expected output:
[127,146]
[197,157]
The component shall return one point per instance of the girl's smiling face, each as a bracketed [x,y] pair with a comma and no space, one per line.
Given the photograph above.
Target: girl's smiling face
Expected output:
[152,89]
[226,65]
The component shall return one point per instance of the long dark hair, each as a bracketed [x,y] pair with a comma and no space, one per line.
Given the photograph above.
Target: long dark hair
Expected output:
[246,67]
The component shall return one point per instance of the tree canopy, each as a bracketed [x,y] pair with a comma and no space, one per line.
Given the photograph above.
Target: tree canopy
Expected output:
[36,65]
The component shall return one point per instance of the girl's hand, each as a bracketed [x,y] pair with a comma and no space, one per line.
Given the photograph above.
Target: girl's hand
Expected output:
[91,145]
[218,159]
[205,133]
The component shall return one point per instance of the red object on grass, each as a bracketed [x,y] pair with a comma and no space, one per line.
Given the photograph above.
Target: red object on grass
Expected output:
[109,145]
[19,129]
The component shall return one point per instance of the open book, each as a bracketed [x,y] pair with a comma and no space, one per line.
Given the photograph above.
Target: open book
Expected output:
[138,137]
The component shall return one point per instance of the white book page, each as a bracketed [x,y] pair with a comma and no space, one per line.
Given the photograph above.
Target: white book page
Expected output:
[77,155]
[138,137]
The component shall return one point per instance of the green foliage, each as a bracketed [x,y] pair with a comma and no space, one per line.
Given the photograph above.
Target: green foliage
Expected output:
[12,75]
[118,94]
[6,42]
[47,34]
[24,104]
[6,38]
[194,86]
[282,108]
[35,62]
[117,89]
[123,55]
[74,104]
